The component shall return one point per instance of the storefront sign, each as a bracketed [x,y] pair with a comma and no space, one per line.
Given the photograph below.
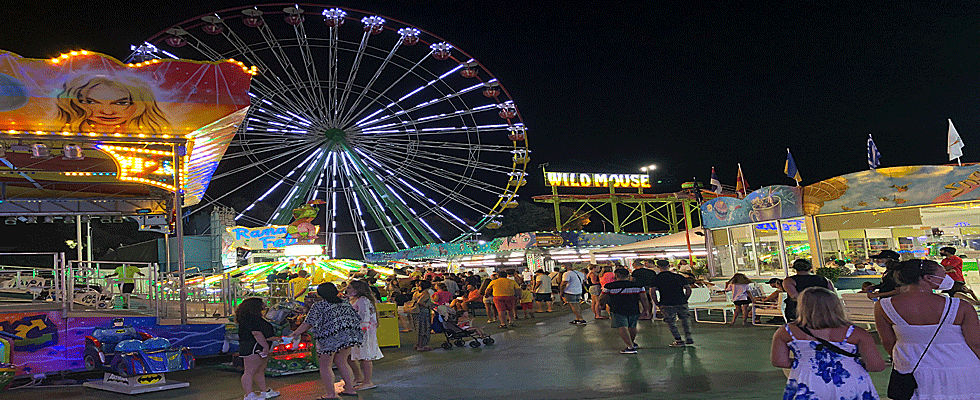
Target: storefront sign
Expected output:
[577,179]
[266,237]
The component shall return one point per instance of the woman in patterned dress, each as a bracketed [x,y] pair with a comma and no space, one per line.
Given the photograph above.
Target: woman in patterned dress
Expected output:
[336,328]
[819,372]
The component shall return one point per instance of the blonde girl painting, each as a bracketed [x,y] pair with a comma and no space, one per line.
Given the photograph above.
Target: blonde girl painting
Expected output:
[103,103]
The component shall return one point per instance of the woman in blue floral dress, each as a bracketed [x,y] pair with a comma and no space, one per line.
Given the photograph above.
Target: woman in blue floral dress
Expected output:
[818,371]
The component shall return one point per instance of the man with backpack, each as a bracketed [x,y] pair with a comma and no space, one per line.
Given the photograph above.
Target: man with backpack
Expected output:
[572,287]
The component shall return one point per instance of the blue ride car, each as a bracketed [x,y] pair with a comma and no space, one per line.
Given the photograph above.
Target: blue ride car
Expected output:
[125,351]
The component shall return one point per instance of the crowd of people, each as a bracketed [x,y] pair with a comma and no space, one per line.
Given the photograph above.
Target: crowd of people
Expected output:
[928,336]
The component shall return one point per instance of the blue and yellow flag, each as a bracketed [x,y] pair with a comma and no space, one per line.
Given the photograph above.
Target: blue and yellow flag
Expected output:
[790,168]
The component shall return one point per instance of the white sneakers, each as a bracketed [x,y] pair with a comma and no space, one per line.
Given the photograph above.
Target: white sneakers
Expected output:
[268,394]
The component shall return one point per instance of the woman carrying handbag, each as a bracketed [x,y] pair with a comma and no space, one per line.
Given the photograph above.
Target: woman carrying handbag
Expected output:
[420,308]
[934,340]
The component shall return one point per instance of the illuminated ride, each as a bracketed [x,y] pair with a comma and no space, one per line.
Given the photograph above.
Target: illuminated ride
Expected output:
[407,139]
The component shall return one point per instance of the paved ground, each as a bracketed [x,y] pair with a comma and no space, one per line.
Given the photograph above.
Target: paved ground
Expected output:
[544,358]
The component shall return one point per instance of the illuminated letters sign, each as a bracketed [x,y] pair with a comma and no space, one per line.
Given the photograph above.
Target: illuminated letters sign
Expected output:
[266,237]
[577,179]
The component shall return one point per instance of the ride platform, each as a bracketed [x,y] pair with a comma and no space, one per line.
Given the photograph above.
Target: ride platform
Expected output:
[135,384]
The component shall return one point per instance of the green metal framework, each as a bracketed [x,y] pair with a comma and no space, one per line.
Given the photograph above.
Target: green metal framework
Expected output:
[676,211]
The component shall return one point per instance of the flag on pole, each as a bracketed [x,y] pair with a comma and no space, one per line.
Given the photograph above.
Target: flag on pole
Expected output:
[741,186]
[790,168]
[954,145]
[715,183]
[874,157]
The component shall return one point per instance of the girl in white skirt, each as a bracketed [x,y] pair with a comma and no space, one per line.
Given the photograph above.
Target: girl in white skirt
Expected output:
[365,354]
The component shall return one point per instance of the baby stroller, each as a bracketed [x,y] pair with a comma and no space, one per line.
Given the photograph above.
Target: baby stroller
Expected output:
[456,335]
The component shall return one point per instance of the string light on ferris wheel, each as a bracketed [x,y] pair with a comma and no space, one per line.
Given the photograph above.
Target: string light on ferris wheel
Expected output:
[334,17]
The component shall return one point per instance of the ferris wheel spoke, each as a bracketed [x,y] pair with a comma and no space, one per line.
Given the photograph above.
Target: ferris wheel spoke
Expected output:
[469,162]
[434,101]
[240,185]
[303,185]
[345,120]
[416,170]
[306,53]
[431,144]
[279,182]
[360,189]
[288,68]
[351,75]
[418,174]
[297,152]
[407,73]
[415,231]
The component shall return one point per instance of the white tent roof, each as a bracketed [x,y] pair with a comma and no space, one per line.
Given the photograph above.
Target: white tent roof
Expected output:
[673,240]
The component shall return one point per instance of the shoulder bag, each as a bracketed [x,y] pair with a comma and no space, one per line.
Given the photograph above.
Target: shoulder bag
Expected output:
[902,386]
[824,344]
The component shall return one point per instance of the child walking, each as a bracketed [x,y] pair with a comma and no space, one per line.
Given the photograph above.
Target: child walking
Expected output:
[363,301]
[527,301]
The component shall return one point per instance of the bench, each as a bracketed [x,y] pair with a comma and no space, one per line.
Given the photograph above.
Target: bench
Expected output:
[858,308]
[769,309]
[701,299]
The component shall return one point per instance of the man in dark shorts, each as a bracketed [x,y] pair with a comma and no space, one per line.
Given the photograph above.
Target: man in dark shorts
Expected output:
[624,298]
[572,288]
[644,276]
[673,292]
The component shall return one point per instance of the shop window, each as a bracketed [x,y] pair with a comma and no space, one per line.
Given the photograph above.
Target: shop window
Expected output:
[743,250]
[767,249]
[796,240]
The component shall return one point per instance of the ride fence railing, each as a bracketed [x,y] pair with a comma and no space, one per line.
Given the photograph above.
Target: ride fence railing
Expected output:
[215,295]
[35,278]
[95,286]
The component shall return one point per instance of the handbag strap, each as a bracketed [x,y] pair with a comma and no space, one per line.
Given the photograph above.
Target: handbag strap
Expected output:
[949,305]
[829,345]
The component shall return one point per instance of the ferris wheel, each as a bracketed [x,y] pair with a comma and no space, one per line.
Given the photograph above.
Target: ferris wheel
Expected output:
[406,139]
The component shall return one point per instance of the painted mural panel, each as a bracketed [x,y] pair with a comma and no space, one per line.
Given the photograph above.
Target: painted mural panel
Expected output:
[53,344]
[893,187]
[765,204]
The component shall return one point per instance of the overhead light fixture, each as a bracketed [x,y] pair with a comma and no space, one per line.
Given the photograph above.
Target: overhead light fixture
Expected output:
[48,219]
[86,219]
[40,150]
[31,220]
[69,219]
[118,220]
[10,221]
[73,152]
[106,220]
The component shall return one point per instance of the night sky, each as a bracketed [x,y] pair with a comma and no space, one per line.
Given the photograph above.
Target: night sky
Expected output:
[612,86]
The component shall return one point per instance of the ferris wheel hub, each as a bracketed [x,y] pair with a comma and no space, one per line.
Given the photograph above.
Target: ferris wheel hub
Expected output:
[335,135]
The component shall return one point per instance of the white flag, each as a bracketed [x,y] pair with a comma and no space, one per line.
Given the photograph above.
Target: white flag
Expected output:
[954,145]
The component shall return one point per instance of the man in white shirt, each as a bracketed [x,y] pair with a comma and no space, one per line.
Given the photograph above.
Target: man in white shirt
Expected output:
[571,289]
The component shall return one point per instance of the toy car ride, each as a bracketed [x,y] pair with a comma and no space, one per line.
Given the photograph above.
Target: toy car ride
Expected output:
[135,361]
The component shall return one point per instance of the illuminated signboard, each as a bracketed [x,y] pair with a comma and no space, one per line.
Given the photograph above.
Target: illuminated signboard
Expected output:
[578,179]
[266,237]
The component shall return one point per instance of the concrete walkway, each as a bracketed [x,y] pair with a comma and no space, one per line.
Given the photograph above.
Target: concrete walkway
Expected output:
[543,358]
